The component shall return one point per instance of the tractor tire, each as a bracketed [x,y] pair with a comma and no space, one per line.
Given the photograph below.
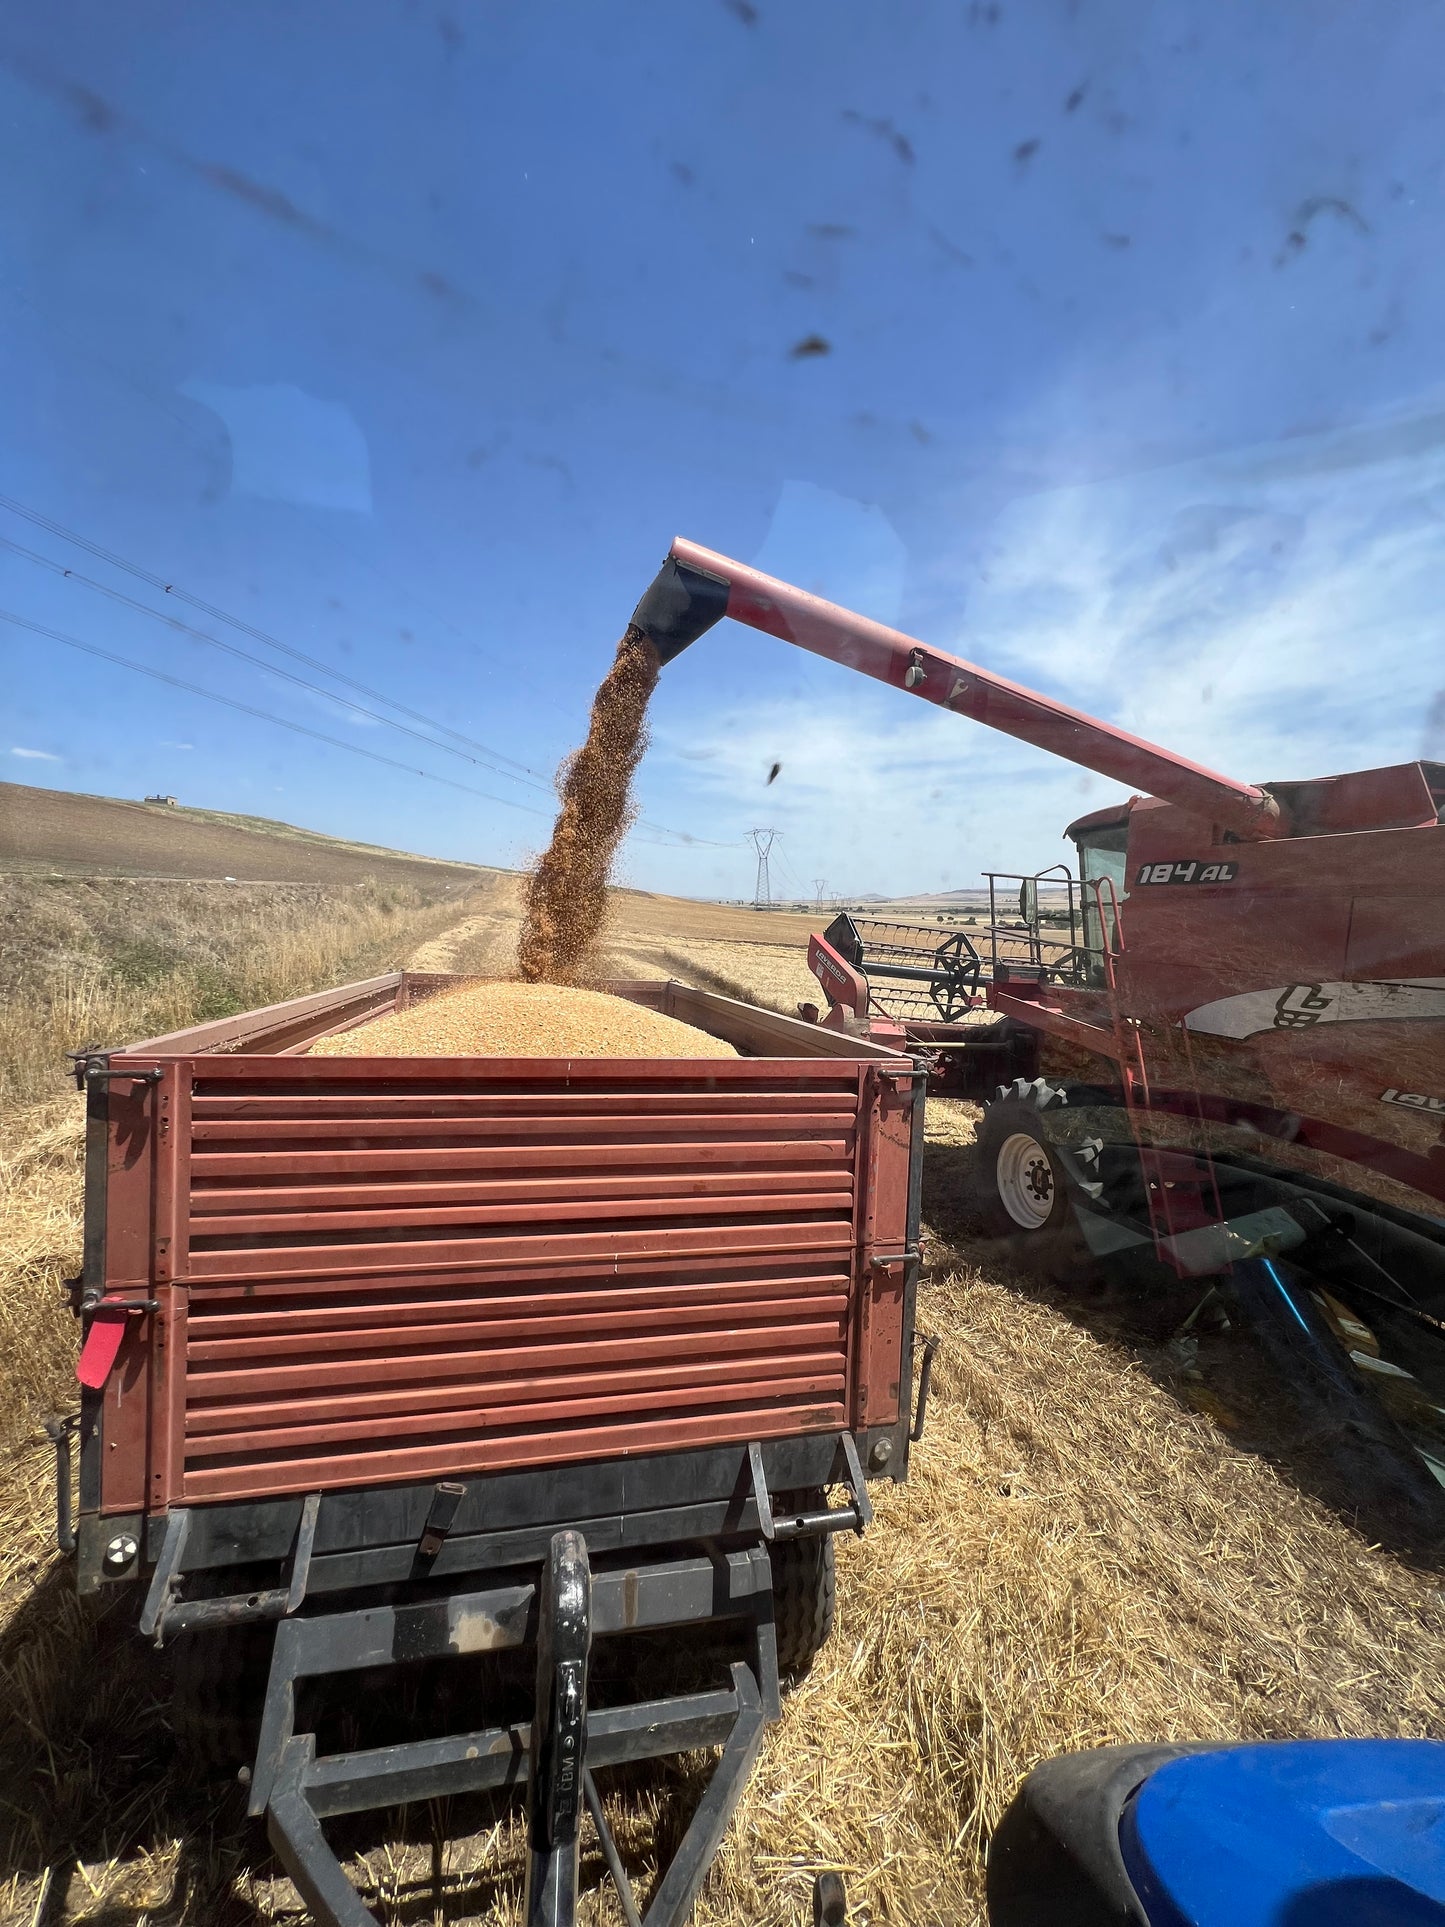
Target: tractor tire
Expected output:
[1027,1195]
[804,1595]
[219,1680]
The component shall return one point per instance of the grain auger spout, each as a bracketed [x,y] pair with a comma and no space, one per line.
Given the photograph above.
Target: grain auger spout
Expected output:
[696,588]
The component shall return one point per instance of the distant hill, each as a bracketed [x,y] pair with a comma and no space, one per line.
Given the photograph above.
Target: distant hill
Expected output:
[59,833]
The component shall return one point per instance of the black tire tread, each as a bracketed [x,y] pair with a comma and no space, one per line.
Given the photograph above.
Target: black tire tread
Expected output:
[804,1601]
[1057,1250]
[219,1682]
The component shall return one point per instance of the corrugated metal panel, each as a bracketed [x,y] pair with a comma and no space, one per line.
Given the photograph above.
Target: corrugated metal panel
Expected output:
[396,1274]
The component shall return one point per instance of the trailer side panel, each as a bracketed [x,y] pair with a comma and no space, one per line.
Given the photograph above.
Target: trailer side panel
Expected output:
[369,1270]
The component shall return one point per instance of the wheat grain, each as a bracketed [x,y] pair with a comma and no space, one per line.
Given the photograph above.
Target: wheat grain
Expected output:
[524,1020]
[567,892]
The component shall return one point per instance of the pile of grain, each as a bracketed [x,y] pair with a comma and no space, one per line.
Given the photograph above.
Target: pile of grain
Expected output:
[566,897]
[523,1020]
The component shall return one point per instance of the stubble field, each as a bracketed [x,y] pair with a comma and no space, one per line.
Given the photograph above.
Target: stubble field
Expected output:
[1088,1550]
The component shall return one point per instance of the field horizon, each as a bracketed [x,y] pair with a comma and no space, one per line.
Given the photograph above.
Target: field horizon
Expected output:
[74,833]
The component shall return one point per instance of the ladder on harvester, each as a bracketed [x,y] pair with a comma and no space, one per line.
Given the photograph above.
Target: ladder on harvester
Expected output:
[1181,1189]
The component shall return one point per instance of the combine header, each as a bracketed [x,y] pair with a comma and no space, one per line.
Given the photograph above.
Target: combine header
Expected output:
[900,970]
[1235,1063]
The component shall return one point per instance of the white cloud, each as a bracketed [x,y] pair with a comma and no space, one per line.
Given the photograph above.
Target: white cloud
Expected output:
[883,794]
[37,755]
[169,745]
[1276,620]
[1272,613]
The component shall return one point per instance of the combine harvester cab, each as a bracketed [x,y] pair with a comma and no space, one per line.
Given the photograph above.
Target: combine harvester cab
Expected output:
[1234,1062]
[397,1362]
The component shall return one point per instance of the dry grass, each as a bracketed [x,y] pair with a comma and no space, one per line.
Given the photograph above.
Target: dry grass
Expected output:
[109,963]
[96,963]
[1077,1558]
[1073,1562]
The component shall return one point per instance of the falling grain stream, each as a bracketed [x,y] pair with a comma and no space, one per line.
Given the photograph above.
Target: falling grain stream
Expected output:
[566,895]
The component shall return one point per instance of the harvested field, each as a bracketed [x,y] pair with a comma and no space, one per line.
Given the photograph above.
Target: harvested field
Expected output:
[55,832]
[758,955]
[1080,1556]
[523,1020]
[109,962]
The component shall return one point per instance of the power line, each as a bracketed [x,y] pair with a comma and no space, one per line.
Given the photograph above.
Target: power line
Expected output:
[249,709]
[270,668]
[129,379]
[53,527]
[530,778]
[790,875]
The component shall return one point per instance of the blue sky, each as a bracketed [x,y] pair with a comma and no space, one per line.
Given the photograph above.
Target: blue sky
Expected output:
[410,334]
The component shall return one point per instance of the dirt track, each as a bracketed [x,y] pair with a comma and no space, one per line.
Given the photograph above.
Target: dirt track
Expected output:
[760,955]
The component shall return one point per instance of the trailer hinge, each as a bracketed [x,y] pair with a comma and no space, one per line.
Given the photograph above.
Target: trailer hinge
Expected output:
[856,1517]
[445,1500]
[166,1578]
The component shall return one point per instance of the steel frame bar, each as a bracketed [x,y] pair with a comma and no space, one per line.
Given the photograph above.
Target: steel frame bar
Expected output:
[625,1897]
[554,1755]
[626,1599]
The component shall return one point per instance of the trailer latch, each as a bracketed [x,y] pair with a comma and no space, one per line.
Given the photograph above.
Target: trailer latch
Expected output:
[59,1432]
[925,1380]
[856,1517]
[88,1071]
[445,1500]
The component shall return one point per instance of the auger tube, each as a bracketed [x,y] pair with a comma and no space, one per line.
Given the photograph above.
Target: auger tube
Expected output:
[696,587]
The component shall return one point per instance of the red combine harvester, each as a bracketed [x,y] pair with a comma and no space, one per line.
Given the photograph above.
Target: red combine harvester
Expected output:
[1234,1063]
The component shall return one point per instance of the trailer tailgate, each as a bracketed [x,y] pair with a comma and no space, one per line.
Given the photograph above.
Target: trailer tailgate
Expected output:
[372,1269]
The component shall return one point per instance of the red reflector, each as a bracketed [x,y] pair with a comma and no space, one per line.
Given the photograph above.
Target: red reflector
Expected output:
[97,1354]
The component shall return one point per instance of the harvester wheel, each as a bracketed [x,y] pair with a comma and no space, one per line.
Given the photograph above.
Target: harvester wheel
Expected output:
[219,1680]
[804,1580]
[1027,1191]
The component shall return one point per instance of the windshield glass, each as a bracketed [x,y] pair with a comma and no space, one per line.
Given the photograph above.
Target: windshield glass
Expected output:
[692,694]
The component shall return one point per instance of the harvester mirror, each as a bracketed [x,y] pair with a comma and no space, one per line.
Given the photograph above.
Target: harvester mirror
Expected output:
[1029,902]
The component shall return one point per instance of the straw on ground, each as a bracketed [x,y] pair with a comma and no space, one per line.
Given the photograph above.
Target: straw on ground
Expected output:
[1076,1559]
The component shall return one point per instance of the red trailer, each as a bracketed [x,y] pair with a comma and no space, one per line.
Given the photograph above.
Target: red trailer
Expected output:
[1243,1030]
[390,1360]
